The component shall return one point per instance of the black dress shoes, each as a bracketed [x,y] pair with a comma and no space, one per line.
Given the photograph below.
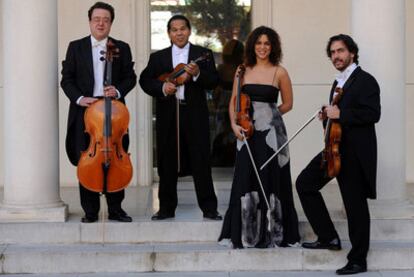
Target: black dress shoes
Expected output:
[89,219]
[120,217]
[212,215]
[351,268]
[161,215]
[334,244]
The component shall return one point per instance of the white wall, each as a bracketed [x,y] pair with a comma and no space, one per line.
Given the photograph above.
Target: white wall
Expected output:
[304,27]
[410,89]
[304,31]
[1,97]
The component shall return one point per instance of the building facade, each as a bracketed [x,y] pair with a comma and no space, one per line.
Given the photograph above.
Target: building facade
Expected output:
[34,35]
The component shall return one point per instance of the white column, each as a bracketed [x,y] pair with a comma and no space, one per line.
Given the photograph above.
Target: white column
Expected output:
[262,13]
[30,112]
[1,96]
[378,27]
[144,102]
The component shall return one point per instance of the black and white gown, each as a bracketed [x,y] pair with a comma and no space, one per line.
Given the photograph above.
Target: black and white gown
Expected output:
[246,222]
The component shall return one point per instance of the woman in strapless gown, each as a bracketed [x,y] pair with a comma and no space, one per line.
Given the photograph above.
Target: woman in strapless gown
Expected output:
[247,222]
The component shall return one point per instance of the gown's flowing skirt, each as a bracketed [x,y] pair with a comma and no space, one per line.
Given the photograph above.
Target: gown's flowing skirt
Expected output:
[248,221]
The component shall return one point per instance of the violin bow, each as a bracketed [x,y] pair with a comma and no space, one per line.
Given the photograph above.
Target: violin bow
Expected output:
[289,140]
[260,182]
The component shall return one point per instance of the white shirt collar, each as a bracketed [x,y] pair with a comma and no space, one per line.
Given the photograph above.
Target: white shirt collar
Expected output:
[101,43]
[179,50]
[343,76]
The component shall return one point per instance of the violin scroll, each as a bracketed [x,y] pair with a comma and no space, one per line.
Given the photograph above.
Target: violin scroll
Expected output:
[111,52]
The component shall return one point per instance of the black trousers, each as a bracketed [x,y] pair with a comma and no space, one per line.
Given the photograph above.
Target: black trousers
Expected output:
[352,186]
[91,205]
[193,158]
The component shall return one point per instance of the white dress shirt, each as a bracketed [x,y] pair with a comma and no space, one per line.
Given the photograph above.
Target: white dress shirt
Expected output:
[98,67]
[180,55]
[343,76]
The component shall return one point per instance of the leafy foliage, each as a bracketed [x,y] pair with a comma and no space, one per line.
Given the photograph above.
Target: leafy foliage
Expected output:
[224,19]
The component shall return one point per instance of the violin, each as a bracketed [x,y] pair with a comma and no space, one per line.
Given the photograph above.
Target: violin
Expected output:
[179,76]
[105,166]
[242,106]
[331,157]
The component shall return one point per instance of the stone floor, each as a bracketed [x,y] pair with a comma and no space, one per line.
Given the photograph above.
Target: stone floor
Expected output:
[142,202]
[226,274]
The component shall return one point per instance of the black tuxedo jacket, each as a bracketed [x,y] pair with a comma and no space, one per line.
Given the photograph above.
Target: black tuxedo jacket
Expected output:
[78,80]
[195,95]
[360,110]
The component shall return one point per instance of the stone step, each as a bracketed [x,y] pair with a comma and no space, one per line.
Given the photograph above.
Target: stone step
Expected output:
[142,230]
[206,257]
[382,273]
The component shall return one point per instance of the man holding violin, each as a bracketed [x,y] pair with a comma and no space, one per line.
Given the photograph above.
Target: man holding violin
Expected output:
[356,112]
[83,83]
[178,85]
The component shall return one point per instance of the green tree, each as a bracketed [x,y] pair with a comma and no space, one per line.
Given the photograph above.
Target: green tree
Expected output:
[225,19]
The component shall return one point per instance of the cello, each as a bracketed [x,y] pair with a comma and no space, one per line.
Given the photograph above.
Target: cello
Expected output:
[331,157]
[105,166]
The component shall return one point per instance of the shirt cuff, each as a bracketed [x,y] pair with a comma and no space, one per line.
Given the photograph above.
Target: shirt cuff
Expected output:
[79,99]
[163,91]
[118,94]
[196,77]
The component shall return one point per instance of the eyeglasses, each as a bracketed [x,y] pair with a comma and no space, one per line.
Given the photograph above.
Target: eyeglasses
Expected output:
[97,20]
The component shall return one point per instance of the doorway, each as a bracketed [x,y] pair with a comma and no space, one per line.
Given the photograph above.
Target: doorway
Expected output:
[221,26]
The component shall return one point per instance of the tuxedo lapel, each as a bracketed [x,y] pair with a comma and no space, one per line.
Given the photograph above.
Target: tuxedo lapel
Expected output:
[167,59]
[117,59]
[335,83]
[192,54]
[87,54]
[351,78]
[347,83]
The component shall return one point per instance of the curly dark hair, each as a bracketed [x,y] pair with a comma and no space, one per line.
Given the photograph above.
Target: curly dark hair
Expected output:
[349,43]
[102,5]
[275,56]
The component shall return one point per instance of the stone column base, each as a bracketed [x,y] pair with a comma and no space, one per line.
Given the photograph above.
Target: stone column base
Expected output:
[391,209]
[34,214]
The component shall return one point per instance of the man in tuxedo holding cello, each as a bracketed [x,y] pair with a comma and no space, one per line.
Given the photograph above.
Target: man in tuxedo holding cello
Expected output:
[182,125]
[357,112]
[83,83]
